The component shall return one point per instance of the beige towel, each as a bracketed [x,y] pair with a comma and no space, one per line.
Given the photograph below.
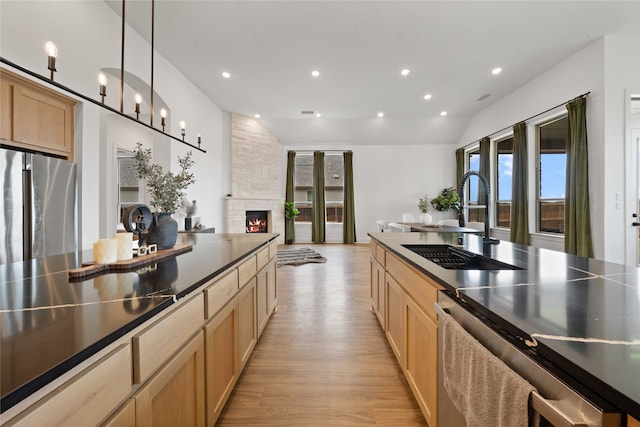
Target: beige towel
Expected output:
[482,387]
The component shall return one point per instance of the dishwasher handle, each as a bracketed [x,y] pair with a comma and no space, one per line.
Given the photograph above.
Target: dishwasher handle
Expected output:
[552,412]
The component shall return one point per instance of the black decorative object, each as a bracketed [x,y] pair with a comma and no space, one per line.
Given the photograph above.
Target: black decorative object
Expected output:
[188,223]
[163,231]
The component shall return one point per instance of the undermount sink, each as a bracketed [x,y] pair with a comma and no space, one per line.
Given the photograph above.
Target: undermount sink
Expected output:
[452,258]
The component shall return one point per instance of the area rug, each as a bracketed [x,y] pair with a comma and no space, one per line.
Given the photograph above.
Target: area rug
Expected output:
[298,256]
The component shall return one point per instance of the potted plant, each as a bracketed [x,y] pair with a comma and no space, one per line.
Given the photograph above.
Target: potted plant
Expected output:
[290,212]
[423,205]
[447,199]
[189,208]
[166,190]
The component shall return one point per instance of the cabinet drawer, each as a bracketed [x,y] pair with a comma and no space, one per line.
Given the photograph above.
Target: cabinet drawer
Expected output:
[381,255]
[153,346]
[263,258]
[220,292]
[273,250]
[88,397]
[422,290]
[247,270]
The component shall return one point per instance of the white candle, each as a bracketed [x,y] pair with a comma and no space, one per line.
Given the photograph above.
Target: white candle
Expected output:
[125,246]
[105,251]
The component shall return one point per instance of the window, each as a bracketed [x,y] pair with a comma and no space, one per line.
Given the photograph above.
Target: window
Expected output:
[552,153]
[504,168]
[473,160]
[303,192]
[333,182]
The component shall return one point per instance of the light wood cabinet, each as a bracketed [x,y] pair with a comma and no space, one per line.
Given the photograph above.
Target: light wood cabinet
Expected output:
[410,323]
[35,117]
[421,368]
[125,416]
[377,291]
[88,397]
[394,321]
[221,348]
[247,323]
[174,396]
[267,294]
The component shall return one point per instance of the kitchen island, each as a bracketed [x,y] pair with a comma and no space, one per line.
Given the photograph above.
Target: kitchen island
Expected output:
[583,313]
[89,348]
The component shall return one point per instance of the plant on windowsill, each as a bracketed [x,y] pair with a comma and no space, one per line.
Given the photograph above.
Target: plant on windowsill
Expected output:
[166,190]
[290,213]
[447,199]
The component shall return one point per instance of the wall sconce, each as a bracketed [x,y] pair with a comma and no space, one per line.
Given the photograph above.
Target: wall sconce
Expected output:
[138,98]
[102,81]
[163,115]
[52,52]
[183,127]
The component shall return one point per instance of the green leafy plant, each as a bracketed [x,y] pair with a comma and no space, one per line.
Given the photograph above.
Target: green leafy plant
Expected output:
[447,199]
[165,188]
[423,204]
[290,210]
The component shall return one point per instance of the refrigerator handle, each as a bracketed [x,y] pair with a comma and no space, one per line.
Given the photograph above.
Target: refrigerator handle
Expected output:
[27,227]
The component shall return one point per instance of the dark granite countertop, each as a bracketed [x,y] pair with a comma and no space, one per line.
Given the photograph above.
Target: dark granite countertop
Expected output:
[50,323]
[584,313]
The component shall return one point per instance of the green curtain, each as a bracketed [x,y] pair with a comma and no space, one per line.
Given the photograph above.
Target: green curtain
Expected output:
[459,165]
[349,215]
[318,216]
[577,218]
[289,225]
[485,170]
[519,232]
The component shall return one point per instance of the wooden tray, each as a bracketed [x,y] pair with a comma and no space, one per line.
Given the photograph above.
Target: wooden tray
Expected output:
[89,268]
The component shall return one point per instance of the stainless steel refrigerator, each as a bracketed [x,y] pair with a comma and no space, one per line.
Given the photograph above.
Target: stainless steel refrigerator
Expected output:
[38,209]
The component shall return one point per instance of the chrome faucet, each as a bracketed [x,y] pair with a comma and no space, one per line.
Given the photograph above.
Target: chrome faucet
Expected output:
[486,239]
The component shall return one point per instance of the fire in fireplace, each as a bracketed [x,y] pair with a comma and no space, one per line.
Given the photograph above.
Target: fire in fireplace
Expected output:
[257,221]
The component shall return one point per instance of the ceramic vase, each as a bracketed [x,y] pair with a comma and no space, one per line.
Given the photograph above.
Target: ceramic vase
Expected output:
[188,224]
[163,230]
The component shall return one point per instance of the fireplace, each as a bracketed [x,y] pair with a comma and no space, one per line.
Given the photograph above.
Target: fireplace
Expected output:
[257,222]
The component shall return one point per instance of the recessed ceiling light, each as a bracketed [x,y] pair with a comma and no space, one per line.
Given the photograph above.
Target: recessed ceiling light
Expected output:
[318,115]
[225,74]
[315,73]
[405,72]
[496,71]
[257,116]
[443,113]
[380,114]
[427,96]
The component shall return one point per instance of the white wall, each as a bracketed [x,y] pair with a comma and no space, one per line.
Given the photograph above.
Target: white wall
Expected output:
[88,38]
[388,181]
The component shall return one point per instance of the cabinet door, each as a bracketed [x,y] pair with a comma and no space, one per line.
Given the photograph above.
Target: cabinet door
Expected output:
[124,417]
[272,279]
[262,299]
[422,359]
[247,324]
[174,396]
[42,120]
[394,325]
[6,109]
[221,359]
[377,290]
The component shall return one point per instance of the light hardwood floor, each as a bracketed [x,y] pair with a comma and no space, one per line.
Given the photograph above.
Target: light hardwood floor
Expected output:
[323,359]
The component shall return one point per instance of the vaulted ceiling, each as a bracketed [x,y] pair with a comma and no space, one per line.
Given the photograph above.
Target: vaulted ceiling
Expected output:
[450,48]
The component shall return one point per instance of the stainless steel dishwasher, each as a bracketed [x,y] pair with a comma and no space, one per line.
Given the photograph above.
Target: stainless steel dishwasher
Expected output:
[554,404]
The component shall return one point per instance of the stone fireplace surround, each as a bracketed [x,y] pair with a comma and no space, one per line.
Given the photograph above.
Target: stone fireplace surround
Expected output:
[255,167]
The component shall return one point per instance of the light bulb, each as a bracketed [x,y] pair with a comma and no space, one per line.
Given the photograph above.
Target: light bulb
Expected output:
[183,125]
[315,73]
[51,49]
[102,79]
[138,98]
[381,114]
[163,113]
